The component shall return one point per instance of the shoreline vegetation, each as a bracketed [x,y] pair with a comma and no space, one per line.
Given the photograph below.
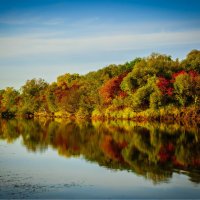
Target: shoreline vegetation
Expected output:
[187,115]
[155,88]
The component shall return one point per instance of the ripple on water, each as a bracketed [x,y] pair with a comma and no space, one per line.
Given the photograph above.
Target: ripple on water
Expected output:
[13,185]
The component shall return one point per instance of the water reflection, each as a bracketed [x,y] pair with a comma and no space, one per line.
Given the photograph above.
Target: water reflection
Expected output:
[153,150]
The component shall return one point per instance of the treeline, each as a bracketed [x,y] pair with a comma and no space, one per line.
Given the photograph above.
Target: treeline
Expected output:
[156,87]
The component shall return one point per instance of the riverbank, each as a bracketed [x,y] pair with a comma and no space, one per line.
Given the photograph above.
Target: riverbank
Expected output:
[166,114]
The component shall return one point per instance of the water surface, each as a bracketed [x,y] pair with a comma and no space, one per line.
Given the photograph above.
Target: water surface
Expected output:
[64,159]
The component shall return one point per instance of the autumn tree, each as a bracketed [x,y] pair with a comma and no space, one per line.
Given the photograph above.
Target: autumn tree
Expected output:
[192,61]
[1,97]
[33,95]
[187,88]
[10,99]
[111,88]
[51,97]
[68,79]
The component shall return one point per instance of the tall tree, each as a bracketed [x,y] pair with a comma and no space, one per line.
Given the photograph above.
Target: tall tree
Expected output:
[33,95]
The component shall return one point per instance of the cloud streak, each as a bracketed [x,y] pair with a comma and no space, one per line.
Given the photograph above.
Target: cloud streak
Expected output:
[26,46]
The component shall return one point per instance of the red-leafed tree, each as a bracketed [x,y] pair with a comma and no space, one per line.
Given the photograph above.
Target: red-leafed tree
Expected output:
[67,98]
[165,86]
[174,75]
[191,73]
[112,88]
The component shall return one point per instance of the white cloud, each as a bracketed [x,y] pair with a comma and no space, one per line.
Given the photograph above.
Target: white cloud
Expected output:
[23,46]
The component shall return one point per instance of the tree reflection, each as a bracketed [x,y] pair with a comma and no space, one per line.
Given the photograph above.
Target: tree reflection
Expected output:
[153,150]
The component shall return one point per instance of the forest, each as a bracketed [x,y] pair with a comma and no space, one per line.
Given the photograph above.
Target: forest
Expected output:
[156,87]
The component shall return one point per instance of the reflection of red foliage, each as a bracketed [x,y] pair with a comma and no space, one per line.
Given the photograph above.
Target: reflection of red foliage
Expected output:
[170,147]
[112,149]
[196,162]
[61,142]
[177,163]
[122,144]
[163,156]
[75,148]
[166,152]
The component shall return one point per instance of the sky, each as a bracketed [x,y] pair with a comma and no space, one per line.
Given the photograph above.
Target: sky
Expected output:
[48,38]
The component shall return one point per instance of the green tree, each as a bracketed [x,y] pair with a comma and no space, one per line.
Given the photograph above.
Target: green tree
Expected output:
[187,89]
[10,99]
[33,95]
[51,97]
[1,98]
[141,98]
[69,79]
[192,61]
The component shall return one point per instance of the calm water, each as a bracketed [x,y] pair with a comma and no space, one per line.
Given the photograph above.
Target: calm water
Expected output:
[63,159]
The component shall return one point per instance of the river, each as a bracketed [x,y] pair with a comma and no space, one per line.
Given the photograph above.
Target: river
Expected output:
[115,159]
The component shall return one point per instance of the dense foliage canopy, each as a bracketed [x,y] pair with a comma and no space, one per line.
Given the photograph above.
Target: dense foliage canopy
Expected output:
[142,85]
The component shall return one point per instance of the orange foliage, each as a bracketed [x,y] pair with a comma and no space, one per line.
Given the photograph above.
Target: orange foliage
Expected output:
[112,88]
[112,149]
[63,91]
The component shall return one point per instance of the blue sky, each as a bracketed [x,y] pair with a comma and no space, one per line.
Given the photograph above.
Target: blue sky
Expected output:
[47,38]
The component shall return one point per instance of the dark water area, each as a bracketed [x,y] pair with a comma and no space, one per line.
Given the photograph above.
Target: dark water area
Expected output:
[115,159]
